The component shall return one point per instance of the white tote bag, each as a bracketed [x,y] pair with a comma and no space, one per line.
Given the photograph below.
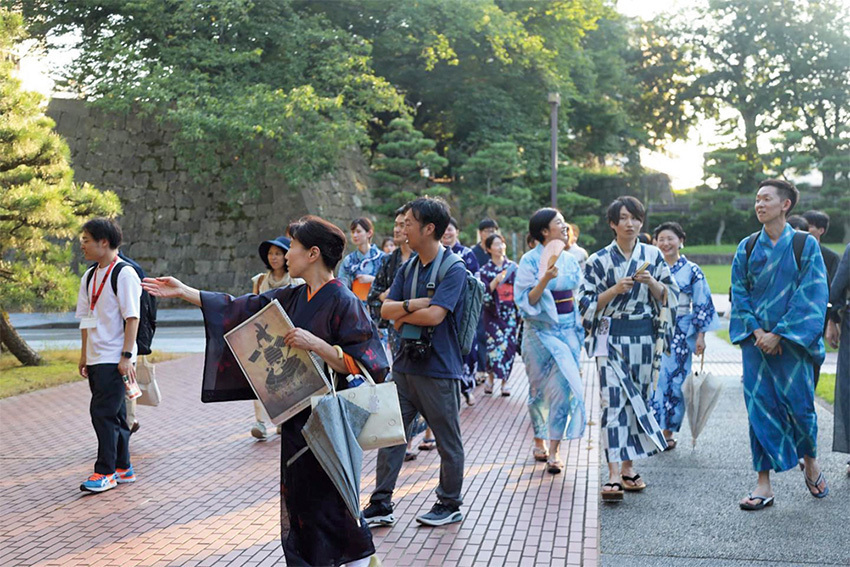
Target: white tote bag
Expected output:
[385,427]
[146,378]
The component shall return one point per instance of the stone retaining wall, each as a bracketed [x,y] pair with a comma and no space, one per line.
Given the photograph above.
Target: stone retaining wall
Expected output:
[175,226]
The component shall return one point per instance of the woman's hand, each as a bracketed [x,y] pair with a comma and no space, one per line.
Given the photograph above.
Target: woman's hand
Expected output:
[165,286]
[550,274]
[363,278]
[303,339]
[699,349]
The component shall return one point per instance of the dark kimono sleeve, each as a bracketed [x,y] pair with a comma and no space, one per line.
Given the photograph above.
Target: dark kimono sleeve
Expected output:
[357,335]
[224,380]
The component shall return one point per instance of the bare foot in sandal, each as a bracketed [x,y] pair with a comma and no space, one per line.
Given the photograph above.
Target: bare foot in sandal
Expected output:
[632,482]
[612,492]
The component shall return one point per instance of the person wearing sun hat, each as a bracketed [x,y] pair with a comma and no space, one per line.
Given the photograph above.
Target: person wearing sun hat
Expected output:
[273,254]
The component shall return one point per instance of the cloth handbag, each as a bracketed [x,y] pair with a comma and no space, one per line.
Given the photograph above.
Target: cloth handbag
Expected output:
[385,427]
[146,378]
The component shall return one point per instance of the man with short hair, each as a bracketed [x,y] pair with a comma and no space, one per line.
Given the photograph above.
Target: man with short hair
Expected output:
[427,371]
[779,325]
[386,273]
[471,360]
[818,225]
[108,323]
[486,227]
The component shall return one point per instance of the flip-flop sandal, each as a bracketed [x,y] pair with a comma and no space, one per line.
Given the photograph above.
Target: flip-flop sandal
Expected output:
[540,455]
[409,456]
[612,495]
[671,444]
[637,487]
[763,502]
[427,444]
[554,467]
[820,493]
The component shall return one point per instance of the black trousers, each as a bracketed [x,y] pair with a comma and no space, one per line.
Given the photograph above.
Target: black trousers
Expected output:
[109,418]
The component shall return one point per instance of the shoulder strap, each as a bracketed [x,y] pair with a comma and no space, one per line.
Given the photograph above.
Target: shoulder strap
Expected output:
[751,243]
[89,275]
[445,266]
[114,277]
[799,243]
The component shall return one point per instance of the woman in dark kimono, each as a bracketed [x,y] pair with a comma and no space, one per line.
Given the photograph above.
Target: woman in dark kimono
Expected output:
[500,314]
[329,320]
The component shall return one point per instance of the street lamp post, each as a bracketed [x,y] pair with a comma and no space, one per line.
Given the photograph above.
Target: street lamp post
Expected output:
[554,103]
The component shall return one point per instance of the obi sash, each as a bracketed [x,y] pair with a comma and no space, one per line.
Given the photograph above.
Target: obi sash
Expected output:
[564,301]
[505,292]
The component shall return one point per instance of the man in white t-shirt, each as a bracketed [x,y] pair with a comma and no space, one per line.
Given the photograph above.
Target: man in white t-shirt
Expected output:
[109,322]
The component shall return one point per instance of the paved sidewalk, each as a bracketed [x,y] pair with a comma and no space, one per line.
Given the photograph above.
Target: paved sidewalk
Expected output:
[689,515]
[208,494]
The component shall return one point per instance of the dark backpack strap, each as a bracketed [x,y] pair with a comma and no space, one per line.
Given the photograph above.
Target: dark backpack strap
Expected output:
[751,243]
[113,279]
[89,275]
[799,243]
[431,286]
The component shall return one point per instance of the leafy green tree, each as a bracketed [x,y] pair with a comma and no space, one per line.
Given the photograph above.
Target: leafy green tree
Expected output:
[239,79]
[39,204]
[780,65]
[404,157]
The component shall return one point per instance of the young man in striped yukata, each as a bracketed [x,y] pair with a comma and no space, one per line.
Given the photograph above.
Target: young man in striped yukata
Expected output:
[626,287]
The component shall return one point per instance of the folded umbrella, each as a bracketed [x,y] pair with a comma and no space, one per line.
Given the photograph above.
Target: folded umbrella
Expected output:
[331,433]
[701,391]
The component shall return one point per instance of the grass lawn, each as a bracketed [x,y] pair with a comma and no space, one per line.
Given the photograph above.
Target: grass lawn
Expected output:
[730,249]
[826,388]
[61,368]
[719,278]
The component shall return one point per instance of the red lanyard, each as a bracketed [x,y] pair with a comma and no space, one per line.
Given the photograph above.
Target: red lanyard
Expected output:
[96,296]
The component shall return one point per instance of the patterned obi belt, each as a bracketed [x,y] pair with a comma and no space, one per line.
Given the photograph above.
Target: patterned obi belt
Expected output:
[564,301]
[631,327]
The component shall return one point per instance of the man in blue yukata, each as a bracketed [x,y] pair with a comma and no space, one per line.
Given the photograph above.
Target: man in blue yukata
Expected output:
[779,298]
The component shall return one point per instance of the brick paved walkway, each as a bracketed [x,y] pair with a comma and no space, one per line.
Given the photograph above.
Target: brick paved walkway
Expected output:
[208,493]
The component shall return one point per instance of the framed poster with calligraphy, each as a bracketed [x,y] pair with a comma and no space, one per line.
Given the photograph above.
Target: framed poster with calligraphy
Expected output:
[283,378]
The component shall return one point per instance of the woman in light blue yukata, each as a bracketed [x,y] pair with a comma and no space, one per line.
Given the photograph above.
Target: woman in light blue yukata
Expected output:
[695,316]
[552,339]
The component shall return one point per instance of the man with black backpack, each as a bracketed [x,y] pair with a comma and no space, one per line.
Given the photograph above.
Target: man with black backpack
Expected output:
[109,323]
[428,311]
[779,297]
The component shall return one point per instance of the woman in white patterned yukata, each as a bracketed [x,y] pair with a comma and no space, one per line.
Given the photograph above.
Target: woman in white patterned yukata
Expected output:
[694,316]
[626,286]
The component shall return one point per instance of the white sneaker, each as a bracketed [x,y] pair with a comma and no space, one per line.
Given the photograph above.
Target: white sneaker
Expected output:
[259,431]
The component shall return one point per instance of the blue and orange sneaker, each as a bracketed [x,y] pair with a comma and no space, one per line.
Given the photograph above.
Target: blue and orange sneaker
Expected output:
[99,483]
[125,476]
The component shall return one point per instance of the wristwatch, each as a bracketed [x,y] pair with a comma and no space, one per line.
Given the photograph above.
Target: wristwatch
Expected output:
[406,306]
[127,354]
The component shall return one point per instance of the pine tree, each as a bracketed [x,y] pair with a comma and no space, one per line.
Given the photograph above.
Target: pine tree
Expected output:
[40,206]
[404,155]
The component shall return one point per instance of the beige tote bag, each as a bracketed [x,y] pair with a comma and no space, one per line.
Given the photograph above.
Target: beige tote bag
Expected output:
[385,427]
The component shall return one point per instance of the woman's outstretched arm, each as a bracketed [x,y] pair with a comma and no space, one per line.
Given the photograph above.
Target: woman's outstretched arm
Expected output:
[172,288]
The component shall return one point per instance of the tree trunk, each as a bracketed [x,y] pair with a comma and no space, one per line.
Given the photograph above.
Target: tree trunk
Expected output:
[720,229]
[751,152]
[15,344]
